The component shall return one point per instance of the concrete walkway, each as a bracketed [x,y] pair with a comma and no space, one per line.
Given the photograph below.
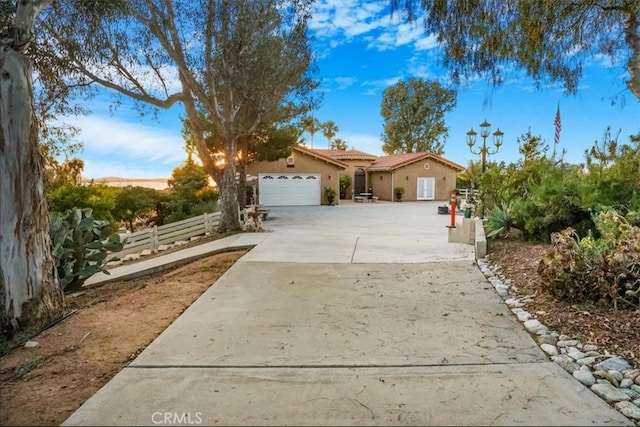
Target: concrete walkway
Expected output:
[347,315]
[176,258]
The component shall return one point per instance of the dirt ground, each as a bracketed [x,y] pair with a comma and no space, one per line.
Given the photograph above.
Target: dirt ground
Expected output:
[112,325]
[619,333]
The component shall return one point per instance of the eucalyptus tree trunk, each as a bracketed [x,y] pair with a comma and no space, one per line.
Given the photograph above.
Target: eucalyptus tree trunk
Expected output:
[229,207]
[31,295]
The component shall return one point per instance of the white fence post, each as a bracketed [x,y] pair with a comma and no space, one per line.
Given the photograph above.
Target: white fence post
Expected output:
[154,238]
[207,223]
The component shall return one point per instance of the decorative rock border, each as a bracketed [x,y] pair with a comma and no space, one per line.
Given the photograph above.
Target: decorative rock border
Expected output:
[605,374]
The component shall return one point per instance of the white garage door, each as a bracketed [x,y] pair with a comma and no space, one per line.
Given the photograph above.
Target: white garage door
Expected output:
[289,189]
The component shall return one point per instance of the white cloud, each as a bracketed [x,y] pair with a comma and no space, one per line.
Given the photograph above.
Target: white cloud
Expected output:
[605,61]
[408,32]
[374,87]
[421,70]
[426,43]
[95,169]
[335,22]
[113,147]
[363,142]
[130,140]
[345,18]
[343,82]
[384,41]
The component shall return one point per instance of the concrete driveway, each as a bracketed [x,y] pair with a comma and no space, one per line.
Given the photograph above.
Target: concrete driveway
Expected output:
[349,315]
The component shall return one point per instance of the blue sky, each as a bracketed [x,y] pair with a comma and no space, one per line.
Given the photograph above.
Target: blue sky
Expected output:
[361,51]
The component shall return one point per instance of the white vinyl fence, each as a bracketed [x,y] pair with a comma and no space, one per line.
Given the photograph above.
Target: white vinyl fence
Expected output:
[466,192]
[153,238]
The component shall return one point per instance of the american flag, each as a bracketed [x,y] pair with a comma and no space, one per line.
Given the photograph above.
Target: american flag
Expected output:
[558,126]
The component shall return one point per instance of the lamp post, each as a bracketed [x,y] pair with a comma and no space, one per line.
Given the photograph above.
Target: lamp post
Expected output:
[484,151]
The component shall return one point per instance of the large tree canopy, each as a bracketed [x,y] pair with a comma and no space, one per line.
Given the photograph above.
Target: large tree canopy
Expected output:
[233,63]
[551,40]
[238,63]
[413,113]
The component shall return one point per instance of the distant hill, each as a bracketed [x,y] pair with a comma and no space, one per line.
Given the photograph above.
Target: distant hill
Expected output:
[112,181]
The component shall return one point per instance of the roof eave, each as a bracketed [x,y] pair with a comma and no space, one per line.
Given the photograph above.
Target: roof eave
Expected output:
[319,156]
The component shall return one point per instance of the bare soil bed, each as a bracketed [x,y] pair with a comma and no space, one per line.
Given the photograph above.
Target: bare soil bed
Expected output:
[44,385]
[617,332]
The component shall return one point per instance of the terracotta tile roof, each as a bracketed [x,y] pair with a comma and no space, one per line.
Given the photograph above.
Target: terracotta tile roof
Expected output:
[320,155]
[396,161]
[345,154]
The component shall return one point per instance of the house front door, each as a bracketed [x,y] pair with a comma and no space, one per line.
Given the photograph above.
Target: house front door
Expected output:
[359,182]
[426,188]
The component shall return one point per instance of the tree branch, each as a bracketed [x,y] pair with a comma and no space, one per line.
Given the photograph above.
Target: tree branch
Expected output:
[143,97]
[179,57]
[25,16]
[208,52]
[156,71]
[197,133]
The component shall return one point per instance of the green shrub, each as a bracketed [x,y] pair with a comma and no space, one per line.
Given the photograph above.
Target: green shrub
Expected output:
[551,205]
[496,185]
[134,202]
[613,178]
[189,195]
[101,199]
[548,195]
[500,221]
[330,192]
[180,209]
[603,269]
[633,217]
[345,182]
[80,245]
[398,191]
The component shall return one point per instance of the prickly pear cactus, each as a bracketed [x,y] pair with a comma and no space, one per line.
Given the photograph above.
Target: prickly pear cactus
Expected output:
[80,246]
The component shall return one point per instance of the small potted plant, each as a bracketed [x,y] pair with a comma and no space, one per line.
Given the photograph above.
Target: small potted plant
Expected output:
[345,182]
[331,193]
[398,191]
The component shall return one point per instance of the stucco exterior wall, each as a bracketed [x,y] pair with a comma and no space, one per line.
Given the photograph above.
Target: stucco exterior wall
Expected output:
[303,163]
[383,183]
[445,179]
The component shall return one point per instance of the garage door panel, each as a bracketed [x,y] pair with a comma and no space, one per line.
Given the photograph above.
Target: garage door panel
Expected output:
[289,189]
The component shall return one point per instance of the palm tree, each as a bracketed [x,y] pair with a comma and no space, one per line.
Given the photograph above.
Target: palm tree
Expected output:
[339,144]
[471,174]
[311,125]
[329,130]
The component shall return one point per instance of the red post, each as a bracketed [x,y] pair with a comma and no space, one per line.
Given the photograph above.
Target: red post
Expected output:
[452,202]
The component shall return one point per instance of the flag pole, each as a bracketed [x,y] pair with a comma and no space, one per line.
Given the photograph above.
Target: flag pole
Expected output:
[558,127]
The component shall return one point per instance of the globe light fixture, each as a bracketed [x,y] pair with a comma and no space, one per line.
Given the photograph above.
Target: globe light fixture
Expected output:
[484,151]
